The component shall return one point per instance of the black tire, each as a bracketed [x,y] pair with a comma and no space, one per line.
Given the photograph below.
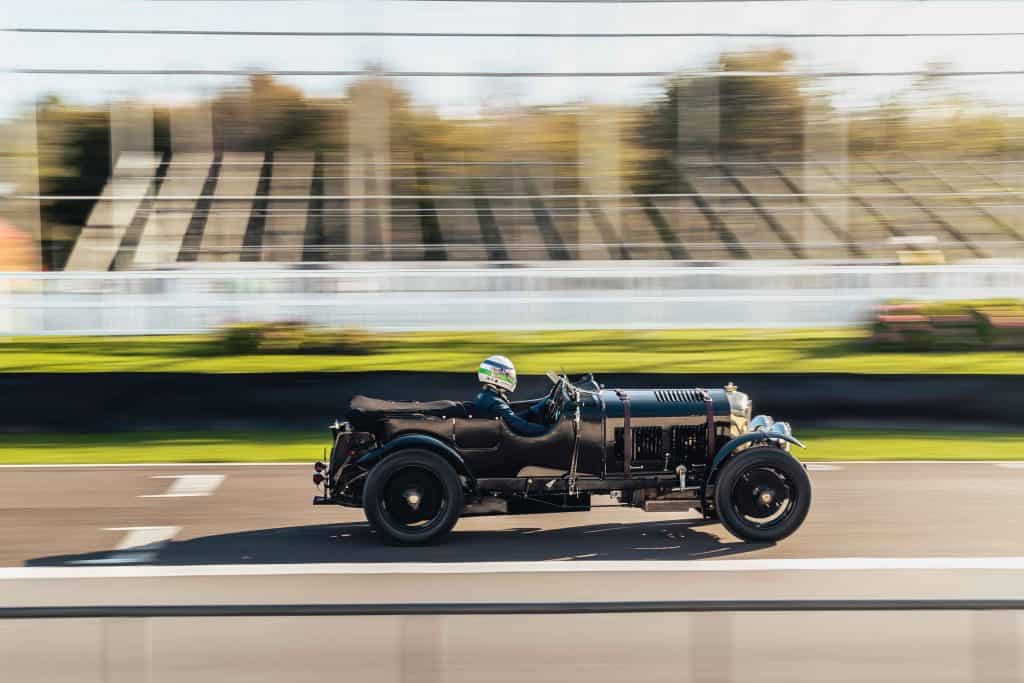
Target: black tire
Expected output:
[391,487]
[763,494]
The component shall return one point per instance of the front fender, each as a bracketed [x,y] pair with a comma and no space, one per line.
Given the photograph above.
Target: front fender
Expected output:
[422,442]
[751,437]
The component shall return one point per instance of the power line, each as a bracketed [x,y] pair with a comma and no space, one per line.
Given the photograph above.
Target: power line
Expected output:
[460,34]
[563,2]
[608,2]
[528,197]
[504,74]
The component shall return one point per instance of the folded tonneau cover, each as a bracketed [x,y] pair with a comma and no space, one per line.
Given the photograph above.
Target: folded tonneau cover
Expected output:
[364,409]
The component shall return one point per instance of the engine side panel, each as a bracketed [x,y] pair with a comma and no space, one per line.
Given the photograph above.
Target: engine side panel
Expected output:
[669,428]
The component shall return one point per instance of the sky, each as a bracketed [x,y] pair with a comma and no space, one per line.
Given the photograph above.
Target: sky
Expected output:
[466,95]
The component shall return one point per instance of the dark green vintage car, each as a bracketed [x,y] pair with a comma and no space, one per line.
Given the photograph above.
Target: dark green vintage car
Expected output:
[416,467]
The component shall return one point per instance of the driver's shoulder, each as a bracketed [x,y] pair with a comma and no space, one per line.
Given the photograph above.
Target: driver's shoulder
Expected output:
[488,399]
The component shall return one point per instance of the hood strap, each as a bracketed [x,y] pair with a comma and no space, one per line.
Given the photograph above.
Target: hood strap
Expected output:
[627,434]
[709,406]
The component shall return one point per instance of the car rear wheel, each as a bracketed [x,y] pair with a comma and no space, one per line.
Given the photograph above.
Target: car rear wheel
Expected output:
[763,494]
[412,497]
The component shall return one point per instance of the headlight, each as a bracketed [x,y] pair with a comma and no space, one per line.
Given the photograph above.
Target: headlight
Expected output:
[781,428]
[761,423]
[739,403]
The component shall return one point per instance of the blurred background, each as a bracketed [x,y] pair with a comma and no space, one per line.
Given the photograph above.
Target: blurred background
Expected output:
[709,132]
[402,141]
[221,219]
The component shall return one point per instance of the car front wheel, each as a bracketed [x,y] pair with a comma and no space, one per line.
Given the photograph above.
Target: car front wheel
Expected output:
[763,494]
[412,497]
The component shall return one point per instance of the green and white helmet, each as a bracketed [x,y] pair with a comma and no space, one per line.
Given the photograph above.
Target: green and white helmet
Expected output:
[499,372]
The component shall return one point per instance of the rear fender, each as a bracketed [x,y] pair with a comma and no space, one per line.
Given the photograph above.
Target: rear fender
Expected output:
[420,442]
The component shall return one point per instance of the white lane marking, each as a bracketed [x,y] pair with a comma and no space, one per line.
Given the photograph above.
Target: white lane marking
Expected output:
[140,544]
[822,467]
[188,485]
[827,564]
[843,463]
[145,537]
[182,465]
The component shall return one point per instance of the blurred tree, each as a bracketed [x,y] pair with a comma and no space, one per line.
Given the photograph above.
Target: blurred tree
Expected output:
[265,115]
[750,113]
[932,117]
[761,114]
[74,160]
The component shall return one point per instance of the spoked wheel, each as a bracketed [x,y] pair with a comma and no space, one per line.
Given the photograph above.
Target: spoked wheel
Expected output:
[763,494]
[412,497]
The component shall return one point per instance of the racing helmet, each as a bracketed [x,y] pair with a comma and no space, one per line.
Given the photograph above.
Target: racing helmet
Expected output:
[499,372]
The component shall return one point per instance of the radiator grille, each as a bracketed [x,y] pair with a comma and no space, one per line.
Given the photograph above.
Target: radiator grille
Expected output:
[689,442]
[682,444]
[647,443]
[678,396]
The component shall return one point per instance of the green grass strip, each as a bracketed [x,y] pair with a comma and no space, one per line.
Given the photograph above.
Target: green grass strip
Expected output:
[185,446]
[301,446]
[667,351]
[863,444]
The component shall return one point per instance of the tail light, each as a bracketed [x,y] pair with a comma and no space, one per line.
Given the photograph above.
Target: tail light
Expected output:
[320,466]
[318,478]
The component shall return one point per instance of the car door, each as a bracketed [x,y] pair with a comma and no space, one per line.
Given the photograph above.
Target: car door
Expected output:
[479,440]
[549,453]
[478,433]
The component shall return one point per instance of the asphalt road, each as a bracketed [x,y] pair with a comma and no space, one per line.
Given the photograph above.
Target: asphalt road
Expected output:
[226,535]
[224,514]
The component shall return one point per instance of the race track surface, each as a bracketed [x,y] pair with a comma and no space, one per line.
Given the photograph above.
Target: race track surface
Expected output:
[224,535]
[229,514]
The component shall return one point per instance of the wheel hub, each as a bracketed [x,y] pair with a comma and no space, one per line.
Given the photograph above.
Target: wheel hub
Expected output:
[412,498]
[760,493]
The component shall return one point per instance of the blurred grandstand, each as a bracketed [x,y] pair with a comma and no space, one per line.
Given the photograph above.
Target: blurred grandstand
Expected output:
[311,207]
[750,159]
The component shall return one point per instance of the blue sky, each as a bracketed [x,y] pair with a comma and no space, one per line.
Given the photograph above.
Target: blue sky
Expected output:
[465,95]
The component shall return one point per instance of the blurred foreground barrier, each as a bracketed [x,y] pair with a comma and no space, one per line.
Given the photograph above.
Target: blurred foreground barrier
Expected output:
[427,296]
[959,644]
[810,619]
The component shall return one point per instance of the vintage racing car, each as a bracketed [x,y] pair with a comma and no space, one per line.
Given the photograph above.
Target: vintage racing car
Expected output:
[416,467]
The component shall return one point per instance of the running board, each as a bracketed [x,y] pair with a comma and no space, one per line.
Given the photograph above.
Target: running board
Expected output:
[671,505]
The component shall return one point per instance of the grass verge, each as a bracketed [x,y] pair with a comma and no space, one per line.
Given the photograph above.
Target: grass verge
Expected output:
[721,351]
[185,446]
[864,444]
[280,446]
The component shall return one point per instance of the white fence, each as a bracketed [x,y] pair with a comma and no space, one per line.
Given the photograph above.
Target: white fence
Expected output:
[482,297]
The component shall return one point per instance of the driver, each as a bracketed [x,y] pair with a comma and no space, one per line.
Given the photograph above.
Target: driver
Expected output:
[498,376]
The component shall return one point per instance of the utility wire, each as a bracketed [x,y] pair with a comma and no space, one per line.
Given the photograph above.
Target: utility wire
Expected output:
[503,74]
[460,34]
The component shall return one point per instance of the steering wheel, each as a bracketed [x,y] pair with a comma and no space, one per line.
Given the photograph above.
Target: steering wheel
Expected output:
[553,402]
[557,398]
